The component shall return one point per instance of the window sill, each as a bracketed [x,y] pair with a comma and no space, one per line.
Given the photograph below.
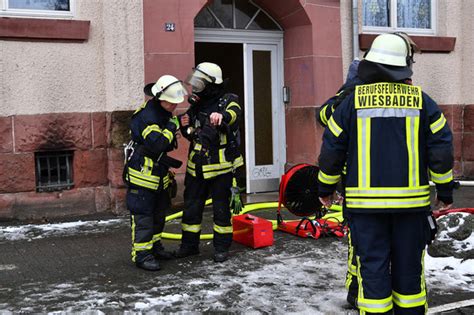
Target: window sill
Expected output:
[434,44]
[44,29]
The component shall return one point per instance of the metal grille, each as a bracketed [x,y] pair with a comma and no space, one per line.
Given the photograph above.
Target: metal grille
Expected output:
[54,171]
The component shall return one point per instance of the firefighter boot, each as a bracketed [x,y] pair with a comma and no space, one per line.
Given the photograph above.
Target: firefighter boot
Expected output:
[185,251]
[148,262]
[160,253]
[220,256]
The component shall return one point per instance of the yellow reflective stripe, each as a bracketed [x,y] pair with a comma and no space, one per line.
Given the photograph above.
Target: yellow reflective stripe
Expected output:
[238,162]
[142,183]
[193,228]
[375,305]
[388,203]
[322,115]
[423,280]
[156,238]
[232,113]
[145,179]
[142,246]
[150,129]
[441,178]
[208,175]
[360,291]
[363,150]
[221,156]
[233,104]
[349,280]
[412,129]
[416,181]
[328,179]
[197,147]
[168,135]
[134,254]
[223,140]
[407,301]
[142,106]
[215,167]
[148,167]
[190,162]
[233,116]
[150,178]
[344,169]
[223,229]
[191,171]
[350,266]
[438,124]
[387,191]
[334,127]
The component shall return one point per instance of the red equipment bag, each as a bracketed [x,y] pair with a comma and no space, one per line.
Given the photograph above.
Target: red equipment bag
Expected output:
[252,231]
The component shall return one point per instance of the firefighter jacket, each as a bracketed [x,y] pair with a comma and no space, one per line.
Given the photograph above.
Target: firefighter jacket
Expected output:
[393,138]
[214,150]
[153,134]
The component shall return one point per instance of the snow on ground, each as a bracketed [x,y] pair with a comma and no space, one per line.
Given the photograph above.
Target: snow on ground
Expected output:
[268,280]
[37,231]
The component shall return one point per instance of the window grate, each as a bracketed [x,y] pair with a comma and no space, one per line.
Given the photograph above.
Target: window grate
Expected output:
[53,171]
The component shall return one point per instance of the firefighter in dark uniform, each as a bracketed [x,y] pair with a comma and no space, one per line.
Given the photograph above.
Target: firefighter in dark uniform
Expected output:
[153,128]
[323,114]
[393,137]
[212,126]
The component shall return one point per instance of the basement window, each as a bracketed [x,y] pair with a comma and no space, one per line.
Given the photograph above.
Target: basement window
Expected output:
[53,171]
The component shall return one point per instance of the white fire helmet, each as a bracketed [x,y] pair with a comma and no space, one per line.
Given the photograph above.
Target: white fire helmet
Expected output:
[170,89]
[390,49]
[204,73]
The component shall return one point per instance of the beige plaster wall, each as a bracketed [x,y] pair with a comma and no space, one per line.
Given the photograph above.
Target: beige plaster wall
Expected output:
[104,73]
[445,77]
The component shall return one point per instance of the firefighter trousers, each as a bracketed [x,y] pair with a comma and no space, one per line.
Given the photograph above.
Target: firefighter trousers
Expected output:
[147,217]
[389,250]
[196,192]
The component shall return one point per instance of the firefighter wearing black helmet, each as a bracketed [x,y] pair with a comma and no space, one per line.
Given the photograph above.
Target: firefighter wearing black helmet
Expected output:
[394,139]
[212,126]
[153,128]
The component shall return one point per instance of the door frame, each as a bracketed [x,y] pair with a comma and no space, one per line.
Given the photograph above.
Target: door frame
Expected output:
[264,38]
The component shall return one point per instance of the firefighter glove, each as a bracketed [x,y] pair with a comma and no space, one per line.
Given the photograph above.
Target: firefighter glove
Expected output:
[235,199]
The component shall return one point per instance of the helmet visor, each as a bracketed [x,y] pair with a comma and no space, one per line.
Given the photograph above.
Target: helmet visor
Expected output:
[198,80]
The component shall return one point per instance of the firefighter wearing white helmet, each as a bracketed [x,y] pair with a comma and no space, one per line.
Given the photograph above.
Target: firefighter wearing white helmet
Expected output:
[394,139]
[212,126]
[153,130]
